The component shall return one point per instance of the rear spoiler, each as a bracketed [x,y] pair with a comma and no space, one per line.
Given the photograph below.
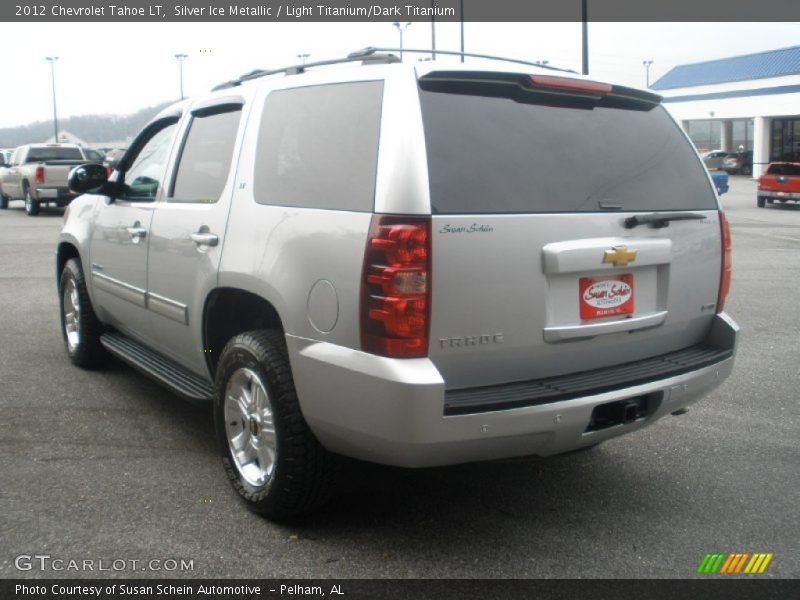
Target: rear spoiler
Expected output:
[540,89]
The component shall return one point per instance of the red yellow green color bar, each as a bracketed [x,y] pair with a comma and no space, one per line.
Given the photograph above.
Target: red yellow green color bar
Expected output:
[732,563]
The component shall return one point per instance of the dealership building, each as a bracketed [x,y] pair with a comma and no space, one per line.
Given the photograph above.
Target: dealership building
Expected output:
[749,102]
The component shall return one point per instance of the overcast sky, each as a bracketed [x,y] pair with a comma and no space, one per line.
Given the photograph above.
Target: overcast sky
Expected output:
[119,68]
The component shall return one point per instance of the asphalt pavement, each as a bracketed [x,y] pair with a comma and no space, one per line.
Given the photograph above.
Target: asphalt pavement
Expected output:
[107,465]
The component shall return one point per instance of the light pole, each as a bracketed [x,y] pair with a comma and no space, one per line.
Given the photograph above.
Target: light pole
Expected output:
[180,58]
[461,12]
[433,30]
[401,29]
[303,57]
[52,60]
[646,64]
[585,37]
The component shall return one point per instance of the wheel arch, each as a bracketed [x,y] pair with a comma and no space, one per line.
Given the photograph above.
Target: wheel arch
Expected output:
[66,249]
[229,311]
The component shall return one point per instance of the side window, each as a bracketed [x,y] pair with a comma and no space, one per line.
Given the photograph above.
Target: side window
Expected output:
[93,155]
[146,172]
[206,156]
[318,147]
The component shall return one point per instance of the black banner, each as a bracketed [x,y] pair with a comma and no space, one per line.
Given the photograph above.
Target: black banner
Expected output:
[379,589]
[396,10]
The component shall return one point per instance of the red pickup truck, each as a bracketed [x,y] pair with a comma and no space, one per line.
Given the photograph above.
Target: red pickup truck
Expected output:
[780,182]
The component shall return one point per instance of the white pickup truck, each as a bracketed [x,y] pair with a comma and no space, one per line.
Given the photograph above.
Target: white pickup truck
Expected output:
[38,174]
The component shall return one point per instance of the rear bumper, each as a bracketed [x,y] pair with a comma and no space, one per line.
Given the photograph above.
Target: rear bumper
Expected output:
[393,411]
[55,194]
[781,195]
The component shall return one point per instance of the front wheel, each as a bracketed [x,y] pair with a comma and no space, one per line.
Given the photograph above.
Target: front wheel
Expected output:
[31,205]
[761,201]
[79,326]
[3,201]
[270,455]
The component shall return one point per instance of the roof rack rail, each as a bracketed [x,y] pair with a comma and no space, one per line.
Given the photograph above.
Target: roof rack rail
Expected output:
[370,58]
[370,50]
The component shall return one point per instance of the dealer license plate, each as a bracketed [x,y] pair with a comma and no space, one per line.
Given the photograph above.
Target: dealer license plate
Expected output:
[606,296]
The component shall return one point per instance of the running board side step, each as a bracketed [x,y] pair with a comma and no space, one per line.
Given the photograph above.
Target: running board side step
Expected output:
[164,370]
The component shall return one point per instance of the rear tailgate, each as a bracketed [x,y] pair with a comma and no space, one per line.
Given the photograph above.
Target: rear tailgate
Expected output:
[535,271]
[781,178]
[56,172]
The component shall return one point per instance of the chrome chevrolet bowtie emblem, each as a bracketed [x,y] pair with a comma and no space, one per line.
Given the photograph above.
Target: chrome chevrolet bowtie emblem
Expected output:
[619,256]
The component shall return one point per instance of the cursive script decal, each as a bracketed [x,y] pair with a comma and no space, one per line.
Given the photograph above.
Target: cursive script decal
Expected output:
[474,228]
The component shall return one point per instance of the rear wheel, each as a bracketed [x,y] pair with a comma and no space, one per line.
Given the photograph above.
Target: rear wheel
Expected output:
[31,205]
[79,325]
[3,201]
[270,455]
[761,201]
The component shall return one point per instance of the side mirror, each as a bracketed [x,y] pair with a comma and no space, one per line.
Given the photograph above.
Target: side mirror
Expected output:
[88,177]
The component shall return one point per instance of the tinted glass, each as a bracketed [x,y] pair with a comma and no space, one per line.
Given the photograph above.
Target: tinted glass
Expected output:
[94,155]
[494,155]
[318,147]
[43,154]
[206,157]
[784,169]
[143,178]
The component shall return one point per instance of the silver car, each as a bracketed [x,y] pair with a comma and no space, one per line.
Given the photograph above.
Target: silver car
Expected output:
[715,159]
[408,264]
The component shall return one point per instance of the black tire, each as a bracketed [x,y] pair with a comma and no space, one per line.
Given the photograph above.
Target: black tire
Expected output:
[302,471]
[85,351]
[31,205]
[3,202]
[761,201]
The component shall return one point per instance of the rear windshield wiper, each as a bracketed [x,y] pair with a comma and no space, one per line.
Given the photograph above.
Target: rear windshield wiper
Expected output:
[657,220]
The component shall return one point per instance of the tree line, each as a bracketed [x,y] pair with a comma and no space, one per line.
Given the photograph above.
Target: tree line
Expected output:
[90,128]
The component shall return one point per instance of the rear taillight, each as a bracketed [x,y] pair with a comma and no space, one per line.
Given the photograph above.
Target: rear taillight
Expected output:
[39,175]
[725,275]
[396,287]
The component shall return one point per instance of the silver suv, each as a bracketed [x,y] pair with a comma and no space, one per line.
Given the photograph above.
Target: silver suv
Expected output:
[409,264]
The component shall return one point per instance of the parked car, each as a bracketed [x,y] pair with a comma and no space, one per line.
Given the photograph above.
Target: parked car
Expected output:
[781,182]
[715,159]
[94,155]
[740,163]
[394,262]
[720,179]
[113,157]
[38,173]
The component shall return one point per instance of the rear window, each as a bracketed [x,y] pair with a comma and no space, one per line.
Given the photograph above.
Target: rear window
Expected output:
[784,169]
[43,154]
[318,147]
[495,155]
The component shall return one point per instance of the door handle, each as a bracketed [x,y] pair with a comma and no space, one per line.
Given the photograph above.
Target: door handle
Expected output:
[205,238]
[136,232]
